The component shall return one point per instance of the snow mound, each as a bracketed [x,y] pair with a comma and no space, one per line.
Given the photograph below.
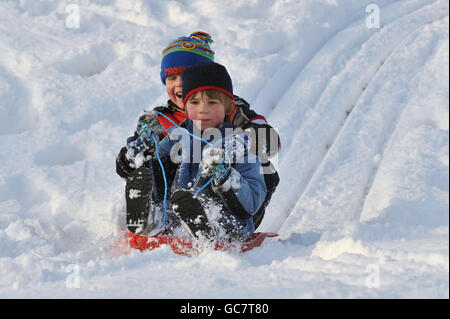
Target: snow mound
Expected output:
[362,206]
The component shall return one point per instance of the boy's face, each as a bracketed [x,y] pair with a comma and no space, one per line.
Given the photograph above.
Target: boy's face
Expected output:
[174,87]
[204,111]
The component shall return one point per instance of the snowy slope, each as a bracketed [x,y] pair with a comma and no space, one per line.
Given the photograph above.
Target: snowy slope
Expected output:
[362,208]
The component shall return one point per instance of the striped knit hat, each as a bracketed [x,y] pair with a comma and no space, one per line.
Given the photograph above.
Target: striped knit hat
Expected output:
[184,52]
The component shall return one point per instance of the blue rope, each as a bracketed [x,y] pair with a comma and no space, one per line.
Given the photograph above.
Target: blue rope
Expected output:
[203,187]
[162,167]
[165,180]
[196,137]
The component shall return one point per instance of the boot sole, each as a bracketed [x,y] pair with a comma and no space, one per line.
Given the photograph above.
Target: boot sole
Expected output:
[137,193]
[195,219]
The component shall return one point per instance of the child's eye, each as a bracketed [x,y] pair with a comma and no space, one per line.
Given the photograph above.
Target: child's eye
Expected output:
[172,78]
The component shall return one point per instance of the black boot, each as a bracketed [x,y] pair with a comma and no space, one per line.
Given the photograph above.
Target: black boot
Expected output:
[137,193]
[190,210]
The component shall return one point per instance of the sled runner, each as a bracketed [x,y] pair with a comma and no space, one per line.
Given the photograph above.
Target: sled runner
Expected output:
[188,248]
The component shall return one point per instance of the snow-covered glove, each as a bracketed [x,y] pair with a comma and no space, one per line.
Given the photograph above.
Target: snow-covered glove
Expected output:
[142,144]
[136,151]
[236,147]
[215,164]
[147,127]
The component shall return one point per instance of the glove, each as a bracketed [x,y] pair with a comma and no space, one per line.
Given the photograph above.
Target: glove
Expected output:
[136,153]
[142,144]
[215,164]
[123,167]
[149,125]
[235,147]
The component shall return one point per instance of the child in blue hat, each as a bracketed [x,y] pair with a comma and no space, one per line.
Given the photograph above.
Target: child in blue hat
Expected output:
[218,184]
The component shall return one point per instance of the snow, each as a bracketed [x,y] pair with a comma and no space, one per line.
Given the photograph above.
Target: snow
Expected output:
[362,208]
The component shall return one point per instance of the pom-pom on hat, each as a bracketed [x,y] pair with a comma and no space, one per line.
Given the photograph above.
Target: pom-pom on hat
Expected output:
[206,76]
[185,52]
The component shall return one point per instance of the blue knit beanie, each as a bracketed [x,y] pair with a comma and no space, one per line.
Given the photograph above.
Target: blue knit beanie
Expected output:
[184,52]
[206,76]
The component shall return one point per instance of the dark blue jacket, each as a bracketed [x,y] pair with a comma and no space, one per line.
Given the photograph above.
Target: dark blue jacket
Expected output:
[241,195]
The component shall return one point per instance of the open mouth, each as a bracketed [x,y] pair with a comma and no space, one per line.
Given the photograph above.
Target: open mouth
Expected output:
[179,95]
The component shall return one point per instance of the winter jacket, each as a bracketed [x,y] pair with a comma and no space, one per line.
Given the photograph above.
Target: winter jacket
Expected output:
[239,197]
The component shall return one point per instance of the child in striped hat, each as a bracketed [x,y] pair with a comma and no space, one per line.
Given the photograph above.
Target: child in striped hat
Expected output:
[134,159]
[180,54]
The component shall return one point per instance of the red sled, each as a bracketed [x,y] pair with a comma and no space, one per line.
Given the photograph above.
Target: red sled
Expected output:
[188,248]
